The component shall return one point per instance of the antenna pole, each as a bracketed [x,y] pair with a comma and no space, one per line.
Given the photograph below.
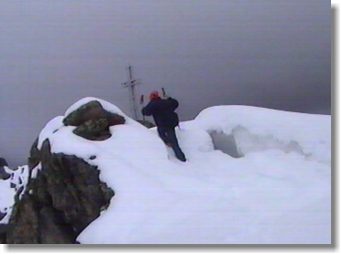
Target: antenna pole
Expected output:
[131,83]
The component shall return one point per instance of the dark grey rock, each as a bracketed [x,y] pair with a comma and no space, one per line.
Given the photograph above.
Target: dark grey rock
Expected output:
[3,162]
[3,174]
[93,121]
[60,202]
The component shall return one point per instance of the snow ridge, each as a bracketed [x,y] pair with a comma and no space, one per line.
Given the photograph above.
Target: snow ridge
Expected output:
[277,192]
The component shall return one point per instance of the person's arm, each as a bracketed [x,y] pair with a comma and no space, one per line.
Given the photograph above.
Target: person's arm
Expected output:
[173,103]
[147,110]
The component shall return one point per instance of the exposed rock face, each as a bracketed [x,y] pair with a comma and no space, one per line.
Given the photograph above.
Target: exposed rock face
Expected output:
[34,157]
[94,129]
[64,193]
[3,162]
[3,229]
[60,202]
[93,121]
[3,174]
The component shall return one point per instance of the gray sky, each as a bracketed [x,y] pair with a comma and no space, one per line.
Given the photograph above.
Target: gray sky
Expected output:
[269,53]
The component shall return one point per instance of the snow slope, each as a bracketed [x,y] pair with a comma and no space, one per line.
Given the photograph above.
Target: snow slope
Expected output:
[278,192]
[257,129]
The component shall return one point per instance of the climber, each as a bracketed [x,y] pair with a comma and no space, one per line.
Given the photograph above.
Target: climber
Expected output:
[166,119]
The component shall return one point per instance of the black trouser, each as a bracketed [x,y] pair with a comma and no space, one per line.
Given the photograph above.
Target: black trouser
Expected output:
[168,135]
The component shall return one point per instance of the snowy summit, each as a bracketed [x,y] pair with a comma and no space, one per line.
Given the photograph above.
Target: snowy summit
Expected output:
[253,175]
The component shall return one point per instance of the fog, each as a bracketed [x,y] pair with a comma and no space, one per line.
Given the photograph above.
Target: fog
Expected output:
[268,53]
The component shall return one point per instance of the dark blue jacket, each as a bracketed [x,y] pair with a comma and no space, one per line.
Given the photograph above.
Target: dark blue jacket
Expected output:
[163,112]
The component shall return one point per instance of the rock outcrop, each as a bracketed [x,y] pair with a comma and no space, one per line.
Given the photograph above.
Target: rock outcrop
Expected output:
[93,121]
[3,174]
[3,162]
[64,193]
[60,202]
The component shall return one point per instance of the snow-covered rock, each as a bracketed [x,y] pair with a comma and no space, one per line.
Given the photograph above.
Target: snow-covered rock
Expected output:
[11,188]
[277,191]
[64,193]
[63,196]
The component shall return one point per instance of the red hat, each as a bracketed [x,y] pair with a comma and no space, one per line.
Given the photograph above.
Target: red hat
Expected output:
[154,95]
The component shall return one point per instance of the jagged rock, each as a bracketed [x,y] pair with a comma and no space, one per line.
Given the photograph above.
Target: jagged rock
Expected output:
[94,129]
[114,119]
[34,157]
[66,193]
[93,121]
[3,162]
[3,174]
[2,215]
[60,202]
[90,110]
[3,230]
[24,227]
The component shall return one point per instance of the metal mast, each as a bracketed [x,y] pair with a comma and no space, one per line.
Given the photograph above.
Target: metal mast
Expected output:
[131,83]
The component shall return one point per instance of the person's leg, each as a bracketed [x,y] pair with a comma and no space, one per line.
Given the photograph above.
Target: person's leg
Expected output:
[172,139]
[163,134]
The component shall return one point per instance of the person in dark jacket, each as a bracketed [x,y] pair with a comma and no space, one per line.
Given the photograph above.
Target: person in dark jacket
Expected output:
[166,119]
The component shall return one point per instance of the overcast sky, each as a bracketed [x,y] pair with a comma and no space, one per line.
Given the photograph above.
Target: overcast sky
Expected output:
[269,53]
